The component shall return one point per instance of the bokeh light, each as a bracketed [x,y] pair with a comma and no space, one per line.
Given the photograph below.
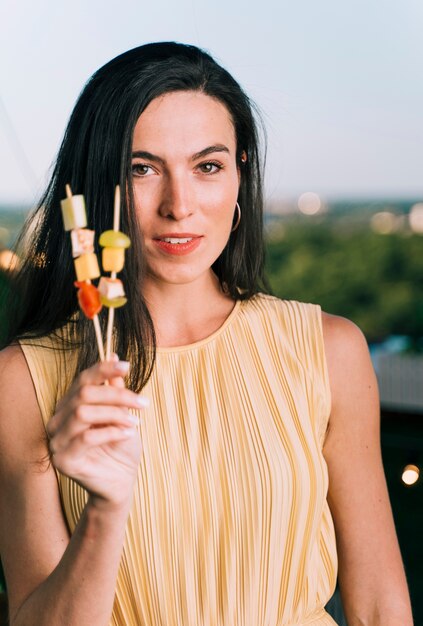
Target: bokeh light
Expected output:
[384,222]
[8,260]
[309,203]
[410,474]
[416,218]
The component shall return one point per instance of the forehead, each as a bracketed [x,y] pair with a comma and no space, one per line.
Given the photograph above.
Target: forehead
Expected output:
[190,119]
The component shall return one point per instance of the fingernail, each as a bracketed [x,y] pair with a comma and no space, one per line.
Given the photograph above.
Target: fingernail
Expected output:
[122,366]
[133,419]
[129,432]
[143,401]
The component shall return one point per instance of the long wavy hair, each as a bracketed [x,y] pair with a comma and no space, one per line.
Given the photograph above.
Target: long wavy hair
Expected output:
[94,156]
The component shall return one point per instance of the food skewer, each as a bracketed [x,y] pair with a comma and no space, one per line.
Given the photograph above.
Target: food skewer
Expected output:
[111,289]
[110,320]
[86,264]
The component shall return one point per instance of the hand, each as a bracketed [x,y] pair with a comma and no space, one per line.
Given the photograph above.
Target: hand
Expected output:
[93,437]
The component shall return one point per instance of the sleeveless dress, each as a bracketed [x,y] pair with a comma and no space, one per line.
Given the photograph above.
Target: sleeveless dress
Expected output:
[230,525]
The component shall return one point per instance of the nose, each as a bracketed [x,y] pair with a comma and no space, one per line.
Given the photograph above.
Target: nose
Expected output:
[177,202]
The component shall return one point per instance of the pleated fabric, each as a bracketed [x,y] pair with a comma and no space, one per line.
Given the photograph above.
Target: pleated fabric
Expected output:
[230,524]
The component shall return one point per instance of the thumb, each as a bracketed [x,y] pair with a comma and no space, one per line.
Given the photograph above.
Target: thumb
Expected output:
[118,381]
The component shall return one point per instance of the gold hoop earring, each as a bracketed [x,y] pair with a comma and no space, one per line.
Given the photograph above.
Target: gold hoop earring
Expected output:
[238,219]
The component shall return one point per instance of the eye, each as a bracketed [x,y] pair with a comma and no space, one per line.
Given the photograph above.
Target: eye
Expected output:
[141,170]
[210,167]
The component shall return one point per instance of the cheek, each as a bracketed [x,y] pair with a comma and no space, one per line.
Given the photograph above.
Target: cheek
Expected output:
[145,201]
[221,197]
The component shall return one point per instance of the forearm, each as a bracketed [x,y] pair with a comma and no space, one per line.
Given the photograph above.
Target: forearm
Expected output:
[80,590]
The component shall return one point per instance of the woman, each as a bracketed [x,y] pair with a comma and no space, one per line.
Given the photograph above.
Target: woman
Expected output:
[203,501]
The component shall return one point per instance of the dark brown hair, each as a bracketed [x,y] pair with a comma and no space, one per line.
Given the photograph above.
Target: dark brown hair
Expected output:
[94,156]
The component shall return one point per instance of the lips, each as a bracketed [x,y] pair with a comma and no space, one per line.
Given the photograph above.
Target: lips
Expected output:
[178,244]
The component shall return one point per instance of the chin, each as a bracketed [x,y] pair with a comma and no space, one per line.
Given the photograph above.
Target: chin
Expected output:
[181,273]
[177,277]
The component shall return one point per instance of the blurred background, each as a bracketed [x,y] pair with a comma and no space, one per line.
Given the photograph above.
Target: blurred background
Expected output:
[339,87]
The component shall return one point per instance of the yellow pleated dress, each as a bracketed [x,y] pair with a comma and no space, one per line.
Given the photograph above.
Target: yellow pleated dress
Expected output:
[230,524]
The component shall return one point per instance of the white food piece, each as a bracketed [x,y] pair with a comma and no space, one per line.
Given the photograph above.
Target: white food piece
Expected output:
[73,212]
[82,241]
[111,288]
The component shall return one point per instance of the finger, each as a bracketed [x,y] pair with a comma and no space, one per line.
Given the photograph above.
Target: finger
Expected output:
[100,372]
[88,416]
[96,375]
[91,438]
[107,395]
[118,381]
[94,397]
[54,423]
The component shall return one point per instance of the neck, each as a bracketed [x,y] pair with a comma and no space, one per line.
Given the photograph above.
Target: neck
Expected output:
[186,313]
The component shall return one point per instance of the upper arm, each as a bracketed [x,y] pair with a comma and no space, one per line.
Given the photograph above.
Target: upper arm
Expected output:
[371,575]
[33,532]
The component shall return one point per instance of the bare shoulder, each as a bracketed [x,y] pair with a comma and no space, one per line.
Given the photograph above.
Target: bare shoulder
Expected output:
[20,420]
[341,335]
[348,360]
[12,362]
[13,367]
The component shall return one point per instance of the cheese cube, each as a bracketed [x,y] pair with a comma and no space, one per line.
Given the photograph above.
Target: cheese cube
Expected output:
[82,241]
[113,259]
[73,212]
[86,267]
[110,288]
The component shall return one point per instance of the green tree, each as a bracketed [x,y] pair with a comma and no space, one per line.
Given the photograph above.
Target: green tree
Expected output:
[375,280]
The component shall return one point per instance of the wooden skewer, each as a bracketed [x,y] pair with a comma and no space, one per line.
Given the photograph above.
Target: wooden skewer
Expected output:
[116,214]
[111,318]
[98,337]
[96,321]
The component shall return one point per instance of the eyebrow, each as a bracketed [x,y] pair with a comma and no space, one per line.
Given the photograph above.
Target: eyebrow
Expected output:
[143,154]
[216,148]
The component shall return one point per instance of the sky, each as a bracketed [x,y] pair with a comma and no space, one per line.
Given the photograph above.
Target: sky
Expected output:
[339,84]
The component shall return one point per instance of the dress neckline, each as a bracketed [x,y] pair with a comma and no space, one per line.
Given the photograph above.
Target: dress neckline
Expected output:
[197,344]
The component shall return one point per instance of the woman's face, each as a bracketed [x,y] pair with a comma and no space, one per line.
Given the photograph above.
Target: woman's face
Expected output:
[185,182]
